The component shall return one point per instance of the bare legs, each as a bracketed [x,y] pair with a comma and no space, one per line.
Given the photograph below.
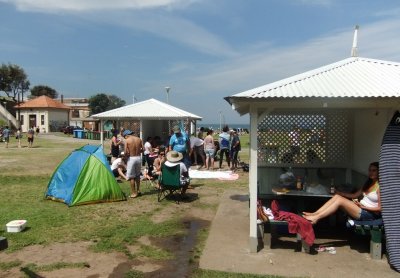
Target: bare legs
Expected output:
[209,162]
[330,207]
[135,186]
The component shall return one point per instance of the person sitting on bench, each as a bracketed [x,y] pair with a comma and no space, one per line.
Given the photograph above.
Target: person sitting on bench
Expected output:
[368,208]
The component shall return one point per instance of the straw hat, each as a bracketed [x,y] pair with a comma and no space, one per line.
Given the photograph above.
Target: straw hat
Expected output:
[174,156]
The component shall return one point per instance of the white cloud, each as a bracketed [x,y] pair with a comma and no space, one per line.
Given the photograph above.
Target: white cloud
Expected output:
[51,6]
[377,40]
[123,13]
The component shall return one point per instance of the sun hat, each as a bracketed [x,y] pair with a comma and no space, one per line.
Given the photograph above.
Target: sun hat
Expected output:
[173,156]
[176,129]
[127,132]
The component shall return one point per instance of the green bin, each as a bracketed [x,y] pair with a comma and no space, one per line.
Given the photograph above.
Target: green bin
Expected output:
[96,135]
[89,135]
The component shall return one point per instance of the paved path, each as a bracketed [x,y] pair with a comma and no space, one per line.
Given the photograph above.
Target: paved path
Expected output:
[227,250]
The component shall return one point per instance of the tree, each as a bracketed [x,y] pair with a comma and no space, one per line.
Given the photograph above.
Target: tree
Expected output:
[102,102]
[13,81]
[42,90]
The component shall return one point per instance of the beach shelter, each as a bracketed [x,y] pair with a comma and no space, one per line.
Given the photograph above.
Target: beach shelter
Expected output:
[347,104]
[84,177]
[148,118]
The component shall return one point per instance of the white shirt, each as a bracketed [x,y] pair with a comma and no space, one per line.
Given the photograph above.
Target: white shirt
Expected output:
[117,163]
[147,148]
[182,167]
[196,142]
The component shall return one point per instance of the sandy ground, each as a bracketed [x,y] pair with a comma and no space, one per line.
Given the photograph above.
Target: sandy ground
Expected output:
[227,249]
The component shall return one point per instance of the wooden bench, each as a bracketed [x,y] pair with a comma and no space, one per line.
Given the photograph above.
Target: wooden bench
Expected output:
[271,228]
[375,230]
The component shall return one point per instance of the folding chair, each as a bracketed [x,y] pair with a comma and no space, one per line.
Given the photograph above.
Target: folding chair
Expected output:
[170,181]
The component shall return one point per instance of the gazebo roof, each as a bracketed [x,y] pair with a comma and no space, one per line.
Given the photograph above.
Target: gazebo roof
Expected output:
[148,109]
[43,102]
[354,77]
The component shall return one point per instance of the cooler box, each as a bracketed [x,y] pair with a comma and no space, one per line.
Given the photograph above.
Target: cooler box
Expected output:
[16,226]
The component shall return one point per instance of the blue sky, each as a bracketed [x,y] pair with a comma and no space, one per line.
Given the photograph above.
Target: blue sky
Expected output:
[204,50]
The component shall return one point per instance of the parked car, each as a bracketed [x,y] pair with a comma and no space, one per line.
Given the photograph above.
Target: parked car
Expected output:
[70,129]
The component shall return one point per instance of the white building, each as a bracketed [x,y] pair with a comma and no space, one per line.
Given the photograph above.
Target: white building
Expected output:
[45,113]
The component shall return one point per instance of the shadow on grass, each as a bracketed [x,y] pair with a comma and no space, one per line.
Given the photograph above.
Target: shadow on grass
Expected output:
[29,273]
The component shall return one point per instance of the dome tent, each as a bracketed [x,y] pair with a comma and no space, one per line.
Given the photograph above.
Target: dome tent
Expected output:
[84,177]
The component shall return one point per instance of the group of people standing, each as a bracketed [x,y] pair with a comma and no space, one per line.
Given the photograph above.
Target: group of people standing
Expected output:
[6,134]
[126,150]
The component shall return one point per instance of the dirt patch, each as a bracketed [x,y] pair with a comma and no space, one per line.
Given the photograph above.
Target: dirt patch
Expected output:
[195,214]
[111,264]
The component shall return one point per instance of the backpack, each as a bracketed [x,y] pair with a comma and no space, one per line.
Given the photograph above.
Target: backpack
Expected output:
[224,143]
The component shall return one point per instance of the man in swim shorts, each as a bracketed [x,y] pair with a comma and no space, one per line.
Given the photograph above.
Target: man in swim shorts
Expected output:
[133,150]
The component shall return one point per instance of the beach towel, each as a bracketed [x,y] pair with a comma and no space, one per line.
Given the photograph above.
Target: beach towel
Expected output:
[296,223]
[221,175]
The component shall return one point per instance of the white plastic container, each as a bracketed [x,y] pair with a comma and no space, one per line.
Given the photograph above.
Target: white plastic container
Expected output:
[16,226]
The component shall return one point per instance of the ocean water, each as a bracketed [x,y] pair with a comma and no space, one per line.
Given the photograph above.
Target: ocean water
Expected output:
[217,126]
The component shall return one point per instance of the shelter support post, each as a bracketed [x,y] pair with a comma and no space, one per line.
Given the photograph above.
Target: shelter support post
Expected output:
[141,130]
[101,133]
[253,239]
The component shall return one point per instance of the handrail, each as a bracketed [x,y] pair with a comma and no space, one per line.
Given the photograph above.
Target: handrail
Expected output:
[8,116]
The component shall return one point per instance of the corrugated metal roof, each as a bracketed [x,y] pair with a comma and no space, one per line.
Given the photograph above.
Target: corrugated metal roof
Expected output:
[148,109]
[353,77]
[43,102]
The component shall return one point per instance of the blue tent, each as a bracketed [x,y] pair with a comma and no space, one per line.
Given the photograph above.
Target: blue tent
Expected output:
[84,177]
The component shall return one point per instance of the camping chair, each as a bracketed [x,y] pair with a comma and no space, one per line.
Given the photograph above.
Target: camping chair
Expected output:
[170,181]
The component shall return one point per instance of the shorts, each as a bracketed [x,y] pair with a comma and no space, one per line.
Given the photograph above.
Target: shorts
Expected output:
[366,215]
[30,139]
[7,139]
[210,153]
[133,167]
[115,172]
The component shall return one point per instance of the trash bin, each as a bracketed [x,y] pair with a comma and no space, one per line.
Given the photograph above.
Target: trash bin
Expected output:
[96,135]
[79,133]
[89,135]
[76,133]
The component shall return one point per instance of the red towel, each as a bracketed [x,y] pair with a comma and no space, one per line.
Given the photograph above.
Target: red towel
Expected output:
[296,223]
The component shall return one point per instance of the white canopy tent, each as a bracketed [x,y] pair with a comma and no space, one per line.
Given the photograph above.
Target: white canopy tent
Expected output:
[348,104]
[148,118]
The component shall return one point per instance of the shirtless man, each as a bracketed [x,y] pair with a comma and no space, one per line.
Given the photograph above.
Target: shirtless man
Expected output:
[133,149]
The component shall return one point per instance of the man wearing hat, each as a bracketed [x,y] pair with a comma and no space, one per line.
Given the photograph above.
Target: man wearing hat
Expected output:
[133,150]
[174,158]
[180,143]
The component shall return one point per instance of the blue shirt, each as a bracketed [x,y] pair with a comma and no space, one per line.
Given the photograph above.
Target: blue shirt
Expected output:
[6,133]
[178,143]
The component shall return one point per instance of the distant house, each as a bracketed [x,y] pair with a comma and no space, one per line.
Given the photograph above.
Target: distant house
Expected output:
[43,112]
[79,112]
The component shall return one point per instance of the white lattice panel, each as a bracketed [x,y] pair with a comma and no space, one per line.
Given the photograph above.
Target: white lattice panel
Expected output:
[304,138]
